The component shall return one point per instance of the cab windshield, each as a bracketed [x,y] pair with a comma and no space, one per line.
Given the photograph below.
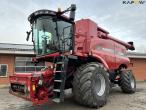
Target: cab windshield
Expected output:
[51,35]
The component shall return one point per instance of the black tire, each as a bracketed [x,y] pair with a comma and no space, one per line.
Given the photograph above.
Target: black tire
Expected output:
[127,82]
[85,85]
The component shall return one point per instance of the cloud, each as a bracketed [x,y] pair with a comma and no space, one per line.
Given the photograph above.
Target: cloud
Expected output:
[125,22]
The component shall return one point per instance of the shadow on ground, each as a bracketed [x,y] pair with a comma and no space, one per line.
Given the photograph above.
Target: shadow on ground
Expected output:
[70,104]
[116,101]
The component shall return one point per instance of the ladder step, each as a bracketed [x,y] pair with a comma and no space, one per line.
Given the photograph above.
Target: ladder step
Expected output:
[57,100]
[56,90]
[57,80]
[60,63]
[59,71]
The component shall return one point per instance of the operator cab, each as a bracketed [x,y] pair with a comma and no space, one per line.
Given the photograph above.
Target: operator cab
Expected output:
[52,31]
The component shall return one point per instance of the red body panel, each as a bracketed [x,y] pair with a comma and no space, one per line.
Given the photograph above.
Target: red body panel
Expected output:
[93,39]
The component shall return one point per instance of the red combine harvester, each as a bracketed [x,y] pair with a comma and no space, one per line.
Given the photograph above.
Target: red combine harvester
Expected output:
[82,56]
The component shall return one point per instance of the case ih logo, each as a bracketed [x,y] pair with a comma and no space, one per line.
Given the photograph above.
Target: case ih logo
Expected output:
[134,2]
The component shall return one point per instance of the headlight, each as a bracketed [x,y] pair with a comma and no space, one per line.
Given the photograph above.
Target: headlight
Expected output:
[33,87]
[40,80]
[28,88]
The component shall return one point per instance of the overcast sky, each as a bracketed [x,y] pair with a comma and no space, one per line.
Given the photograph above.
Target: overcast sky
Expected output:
[125,22]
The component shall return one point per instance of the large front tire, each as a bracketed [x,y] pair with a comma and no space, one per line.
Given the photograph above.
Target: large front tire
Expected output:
[91,85]
[127,82]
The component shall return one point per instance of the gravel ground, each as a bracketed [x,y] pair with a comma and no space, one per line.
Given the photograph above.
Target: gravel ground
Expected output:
[116,101]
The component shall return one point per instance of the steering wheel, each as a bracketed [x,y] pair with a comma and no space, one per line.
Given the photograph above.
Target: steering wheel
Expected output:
[66,40]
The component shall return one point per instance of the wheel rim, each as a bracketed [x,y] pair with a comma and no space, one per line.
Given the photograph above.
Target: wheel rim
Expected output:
[100,85]
[132,82]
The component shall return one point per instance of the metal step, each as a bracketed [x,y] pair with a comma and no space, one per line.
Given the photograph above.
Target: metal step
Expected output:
[57,80]
[56,90]
[59,71]
[60,63]
[57,100]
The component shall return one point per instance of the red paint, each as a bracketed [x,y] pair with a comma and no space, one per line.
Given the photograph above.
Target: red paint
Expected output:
[91,39]
[39,95]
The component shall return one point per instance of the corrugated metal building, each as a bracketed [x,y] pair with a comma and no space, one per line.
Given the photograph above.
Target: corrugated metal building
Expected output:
[16,58]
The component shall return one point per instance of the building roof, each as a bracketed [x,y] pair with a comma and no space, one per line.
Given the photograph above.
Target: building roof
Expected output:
[136,55]
[8,48]
[23,49]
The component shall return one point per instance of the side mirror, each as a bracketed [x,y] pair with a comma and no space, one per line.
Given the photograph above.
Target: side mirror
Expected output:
[28,35]
[132,45]
[72,12]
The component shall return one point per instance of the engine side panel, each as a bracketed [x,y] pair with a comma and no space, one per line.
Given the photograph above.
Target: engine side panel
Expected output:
[91,39]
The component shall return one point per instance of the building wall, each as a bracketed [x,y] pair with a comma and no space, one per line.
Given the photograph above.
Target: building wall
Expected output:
[139,68]
[9,60]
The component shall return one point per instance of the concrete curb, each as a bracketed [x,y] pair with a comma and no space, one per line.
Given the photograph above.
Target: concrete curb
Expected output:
[4,86]
[141,81]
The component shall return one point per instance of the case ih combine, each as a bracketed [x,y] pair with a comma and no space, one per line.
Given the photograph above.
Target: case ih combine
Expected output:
[82,56]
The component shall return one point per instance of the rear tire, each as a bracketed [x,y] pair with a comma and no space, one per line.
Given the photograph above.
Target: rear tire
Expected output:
[91,85]
[127,82]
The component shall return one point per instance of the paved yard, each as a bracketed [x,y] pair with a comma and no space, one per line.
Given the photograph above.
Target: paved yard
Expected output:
[116,101]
